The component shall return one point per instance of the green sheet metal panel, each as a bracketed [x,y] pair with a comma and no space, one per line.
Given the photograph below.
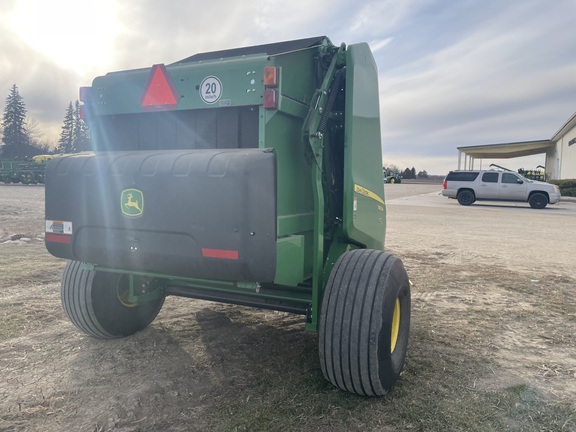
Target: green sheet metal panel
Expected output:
[290,269]
[232,82]
[364,209]
[281,129]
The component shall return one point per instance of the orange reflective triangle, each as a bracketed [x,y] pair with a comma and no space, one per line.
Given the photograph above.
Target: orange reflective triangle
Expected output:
[159,91]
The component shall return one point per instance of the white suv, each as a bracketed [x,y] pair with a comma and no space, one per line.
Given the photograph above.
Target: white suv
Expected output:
[470,186]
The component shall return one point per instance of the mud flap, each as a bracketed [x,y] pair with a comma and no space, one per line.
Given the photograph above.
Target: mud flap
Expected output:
[196,213]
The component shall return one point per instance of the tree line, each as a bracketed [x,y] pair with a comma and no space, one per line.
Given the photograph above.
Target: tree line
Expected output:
[21,139]
[408,173]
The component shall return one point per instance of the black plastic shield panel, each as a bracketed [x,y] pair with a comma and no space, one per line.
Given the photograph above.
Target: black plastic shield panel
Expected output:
[196,213]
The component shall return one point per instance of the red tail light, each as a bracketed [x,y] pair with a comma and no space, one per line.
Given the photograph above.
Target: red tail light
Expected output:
[85,94]
[269,99]
[444,184]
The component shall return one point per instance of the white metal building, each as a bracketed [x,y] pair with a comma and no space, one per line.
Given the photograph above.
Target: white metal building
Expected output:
[560,152]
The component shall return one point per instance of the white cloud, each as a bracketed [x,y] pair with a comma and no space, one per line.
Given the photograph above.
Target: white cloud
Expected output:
[505,80]
[378,44]
[383,16]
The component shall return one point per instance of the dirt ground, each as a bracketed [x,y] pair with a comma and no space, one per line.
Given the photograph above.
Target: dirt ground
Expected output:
[492,345]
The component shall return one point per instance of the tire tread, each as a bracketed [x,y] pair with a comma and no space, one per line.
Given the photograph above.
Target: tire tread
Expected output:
[77,302]
[351,321]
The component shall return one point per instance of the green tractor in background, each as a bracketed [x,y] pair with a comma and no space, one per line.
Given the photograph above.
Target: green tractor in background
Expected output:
[249,176]
[24,172]
[392,177]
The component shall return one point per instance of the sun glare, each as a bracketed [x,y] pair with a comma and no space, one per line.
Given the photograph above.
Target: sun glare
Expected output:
[74,34]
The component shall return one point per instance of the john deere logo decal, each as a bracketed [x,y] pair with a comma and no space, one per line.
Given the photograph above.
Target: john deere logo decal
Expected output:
[132,202]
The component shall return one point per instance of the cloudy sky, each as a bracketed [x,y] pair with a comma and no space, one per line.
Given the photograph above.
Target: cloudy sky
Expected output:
[452,73]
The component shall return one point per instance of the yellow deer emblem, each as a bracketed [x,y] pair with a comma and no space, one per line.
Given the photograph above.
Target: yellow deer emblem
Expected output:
[132,202]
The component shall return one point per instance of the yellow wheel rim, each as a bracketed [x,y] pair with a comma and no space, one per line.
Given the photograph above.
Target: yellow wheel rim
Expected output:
[395,326]
[123,292]
[392,180]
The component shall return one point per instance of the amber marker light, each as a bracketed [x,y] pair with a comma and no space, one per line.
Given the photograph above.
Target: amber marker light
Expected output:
[271,76]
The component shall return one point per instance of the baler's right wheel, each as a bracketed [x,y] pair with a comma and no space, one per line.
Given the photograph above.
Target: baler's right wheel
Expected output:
[95,302]
[365,322]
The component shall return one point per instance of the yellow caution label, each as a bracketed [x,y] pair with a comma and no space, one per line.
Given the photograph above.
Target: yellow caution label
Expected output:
[368,193]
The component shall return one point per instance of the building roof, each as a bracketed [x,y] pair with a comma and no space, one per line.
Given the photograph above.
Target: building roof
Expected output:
[517,149]
[565,128]
[507,150]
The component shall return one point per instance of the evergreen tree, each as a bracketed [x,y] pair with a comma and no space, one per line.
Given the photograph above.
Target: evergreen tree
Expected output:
[66,141]
[413,170]
[15,137]
[82,141]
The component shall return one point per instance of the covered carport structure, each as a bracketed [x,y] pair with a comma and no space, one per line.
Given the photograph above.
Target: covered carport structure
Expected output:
[467,156]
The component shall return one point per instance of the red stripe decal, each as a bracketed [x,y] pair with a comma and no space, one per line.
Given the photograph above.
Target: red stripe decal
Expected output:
[55,238]
[220,253]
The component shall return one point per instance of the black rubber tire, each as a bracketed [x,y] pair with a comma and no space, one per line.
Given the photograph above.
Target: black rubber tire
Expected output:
[91,302]
[466,197]
[356,321]
[538,200]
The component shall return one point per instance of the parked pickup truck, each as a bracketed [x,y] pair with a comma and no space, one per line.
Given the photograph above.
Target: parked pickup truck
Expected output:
[470,186]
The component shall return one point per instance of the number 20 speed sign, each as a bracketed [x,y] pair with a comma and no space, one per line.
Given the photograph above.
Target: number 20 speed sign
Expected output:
[210,89]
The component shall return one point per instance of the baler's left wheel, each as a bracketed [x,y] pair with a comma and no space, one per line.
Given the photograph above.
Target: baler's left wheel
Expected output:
[365,322]
[97,303]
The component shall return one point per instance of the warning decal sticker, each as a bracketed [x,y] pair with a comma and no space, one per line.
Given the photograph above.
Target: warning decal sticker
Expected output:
[159,92]
[367,193]
[58,227]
